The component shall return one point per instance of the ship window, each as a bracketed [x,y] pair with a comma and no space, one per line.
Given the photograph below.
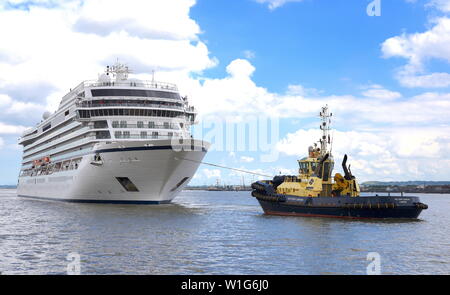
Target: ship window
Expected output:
[151,125]
[66,113]
[170,134]
[126,134]
[143,134]
[134,92]
[127,184]
[102,135]
[326,171]
[46,127]
[128,112]
[123,124]
[166,125]
[154,134]
[118,134]
[115,124]
[140,124]
[100,124]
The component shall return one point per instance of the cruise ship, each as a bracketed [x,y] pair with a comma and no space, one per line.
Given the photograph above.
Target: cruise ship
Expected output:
[113,140]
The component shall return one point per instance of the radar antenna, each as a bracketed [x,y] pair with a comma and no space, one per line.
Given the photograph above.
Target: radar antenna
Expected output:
[325,116]
[119,71]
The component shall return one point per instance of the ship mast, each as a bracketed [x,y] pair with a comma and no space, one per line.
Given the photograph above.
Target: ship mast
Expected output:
[119,71]
[325,116]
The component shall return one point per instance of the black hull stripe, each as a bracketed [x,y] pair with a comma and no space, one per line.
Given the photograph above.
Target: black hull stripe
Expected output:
[144,148]
[274,208]
[132,202]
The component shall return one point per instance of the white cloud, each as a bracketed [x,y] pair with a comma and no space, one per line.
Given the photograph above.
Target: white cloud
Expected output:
[54,46]
[273,4]
[4,100]
[434,80]
[150,19]
[300,90]
[377,91]
[238,95]
[418,48]
[247,159]
[11,129]
[443,5]
[383,153]
[249,54]
[212,173]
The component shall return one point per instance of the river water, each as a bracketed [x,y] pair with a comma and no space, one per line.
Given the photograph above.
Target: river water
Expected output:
[213,233]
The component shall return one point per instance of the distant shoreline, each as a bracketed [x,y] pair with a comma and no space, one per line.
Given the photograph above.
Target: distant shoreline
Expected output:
[7,186]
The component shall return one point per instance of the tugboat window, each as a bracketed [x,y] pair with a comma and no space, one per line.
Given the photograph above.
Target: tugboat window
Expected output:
[326,171]
[303,167]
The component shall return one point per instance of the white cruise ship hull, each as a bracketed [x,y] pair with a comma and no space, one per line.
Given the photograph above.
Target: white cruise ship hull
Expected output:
[137,172]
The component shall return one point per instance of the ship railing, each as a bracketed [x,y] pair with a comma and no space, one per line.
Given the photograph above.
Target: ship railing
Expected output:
[130,83]
[144,126]
[141,136]
[89,118]
[126,104]
[191,109]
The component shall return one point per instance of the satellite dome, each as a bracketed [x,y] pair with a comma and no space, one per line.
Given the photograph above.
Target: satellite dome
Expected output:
[46,115]
[104,78]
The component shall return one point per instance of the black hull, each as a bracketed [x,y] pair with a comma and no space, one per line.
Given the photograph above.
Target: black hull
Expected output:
[371,207]
[272,208]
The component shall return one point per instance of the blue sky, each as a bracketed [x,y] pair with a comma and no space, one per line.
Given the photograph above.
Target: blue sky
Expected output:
[386,78]
[316,43]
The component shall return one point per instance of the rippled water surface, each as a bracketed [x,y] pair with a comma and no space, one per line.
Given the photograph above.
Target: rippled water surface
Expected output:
[213,233]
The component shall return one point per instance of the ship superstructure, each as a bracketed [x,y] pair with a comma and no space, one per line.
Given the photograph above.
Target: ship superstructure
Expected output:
[116,139]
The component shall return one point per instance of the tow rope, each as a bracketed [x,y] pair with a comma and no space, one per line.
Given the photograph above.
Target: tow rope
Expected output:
[224,167]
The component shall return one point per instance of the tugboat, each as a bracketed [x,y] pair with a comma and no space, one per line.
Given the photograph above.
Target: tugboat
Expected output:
[314,192]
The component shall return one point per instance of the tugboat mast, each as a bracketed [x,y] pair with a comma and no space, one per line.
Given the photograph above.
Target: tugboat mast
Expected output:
[325,116]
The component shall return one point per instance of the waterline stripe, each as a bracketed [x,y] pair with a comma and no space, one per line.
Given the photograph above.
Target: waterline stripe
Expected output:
[131,202]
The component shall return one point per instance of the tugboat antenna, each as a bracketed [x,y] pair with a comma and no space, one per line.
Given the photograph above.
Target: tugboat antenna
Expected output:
[325,127]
